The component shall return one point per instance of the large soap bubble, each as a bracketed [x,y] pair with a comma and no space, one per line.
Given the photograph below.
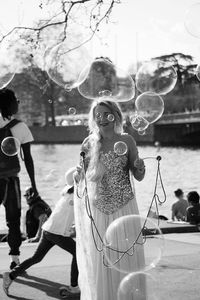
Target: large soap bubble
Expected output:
[138,286]
[192,20]
[133,243]
[64,63]
[150,106]
[156,76]
[102,80]
[7,64]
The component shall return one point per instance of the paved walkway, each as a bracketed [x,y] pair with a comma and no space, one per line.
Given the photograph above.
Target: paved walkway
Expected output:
[176,275]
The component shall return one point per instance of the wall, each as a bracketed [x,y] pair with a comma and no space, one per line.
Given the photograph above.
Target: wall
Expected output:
[178,134]
[59,135]
[76,134]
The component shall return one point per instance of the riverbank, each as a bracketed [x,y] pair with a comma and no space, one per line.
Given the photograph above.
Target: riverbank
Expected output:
[167,227]
[75,134]
[175,277]
[181,129]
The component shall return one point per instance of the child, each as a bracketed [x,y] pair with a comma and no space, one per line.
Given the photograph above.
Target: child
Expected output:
[55,231]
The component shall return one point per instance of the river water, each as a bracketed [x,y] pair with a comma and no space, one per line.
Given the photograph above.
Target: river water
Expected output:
[180,168]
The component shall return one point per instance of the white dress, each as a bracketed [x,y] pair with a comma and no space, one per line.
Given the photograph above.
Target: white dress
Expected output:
[111,198]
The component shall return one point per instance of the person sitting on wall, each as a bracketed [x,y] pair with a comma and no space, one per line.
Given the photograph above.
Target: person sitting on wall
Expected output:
[36,215]
[193,211]
[179,207]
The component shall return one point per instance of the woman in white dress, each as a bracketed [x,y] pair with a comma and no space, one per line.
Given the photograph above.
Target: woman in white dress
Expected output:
[105,192]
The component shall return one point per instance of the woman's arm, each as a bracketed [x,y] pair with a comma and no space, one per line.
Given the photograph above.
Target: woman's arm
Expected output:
[136,164]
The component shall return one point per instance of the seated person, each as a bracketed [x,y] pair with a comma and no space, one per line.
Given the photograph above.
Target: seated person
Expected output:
[179,207]
[36,215]
[193,211]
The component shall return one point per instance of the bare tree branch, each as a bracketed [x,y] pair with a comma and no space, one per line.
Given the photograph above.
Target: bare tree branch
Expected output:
[66,14]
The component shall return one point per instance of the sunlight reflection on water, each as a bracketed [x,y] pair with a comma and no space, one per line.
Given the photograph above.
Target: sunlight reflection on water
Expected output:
[178,169]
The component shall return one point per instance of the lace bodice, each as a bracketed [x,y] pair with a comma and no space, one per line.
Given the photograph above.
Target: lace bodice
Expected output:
[114,190]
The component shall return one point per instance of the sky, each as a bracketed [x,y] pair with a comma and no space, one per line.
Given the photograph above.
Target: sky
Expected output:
[138,31]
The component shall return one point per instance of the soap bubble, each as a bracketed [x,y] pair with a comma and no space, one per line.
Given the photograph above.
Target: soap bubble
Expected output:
[141,131]
[192,20]
[111,117]
[64,62]
[150,106]
[133,243]
[139,123]
[156,76]
[139,286]
[102,80]
[7,64]
[10,146]
[120,148]
[72,110]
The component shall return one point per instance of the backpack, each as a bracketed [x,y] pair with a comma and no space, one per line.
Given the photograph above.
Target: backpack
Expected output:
[31,222]
[9,165]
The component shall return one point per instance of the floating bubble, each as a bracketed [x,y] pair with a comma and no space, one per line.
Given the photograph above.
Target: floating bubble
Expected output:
[139,286]
[141,131]
[7,65]
[10,146]
[139,123]
[150,106]
[99,117]
[102,80]
[133,243]
[192,20]
[120,148]
[111,117]
[64,62]
[156,76]
[72,110]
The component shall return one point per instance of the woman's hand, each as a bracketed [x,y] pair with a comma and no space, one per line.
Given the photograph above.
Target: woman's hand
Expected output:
[78,174]
[139,165]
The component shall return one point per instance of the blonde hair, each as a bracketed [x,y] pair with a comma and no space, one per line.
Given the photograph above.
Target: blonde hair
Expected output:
[96,168]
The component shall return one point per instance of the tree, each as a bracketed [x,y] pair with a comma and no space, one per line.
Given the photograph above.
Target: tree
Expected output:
[75,22]
[185,95]
[82,15]
[181,63]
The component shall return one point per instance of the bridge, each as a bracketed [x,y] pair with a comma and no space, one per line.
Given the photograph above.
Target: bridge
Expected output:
[171,130]
[178,129]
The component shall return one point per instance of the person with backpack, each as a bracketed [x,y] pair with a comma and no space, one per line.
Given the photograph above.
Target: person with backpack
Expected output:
[10,192]
[37,213]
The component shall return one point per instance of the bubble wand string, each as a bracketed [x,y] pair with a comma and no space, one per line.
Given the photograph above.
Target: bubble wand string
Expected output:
[142,231]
